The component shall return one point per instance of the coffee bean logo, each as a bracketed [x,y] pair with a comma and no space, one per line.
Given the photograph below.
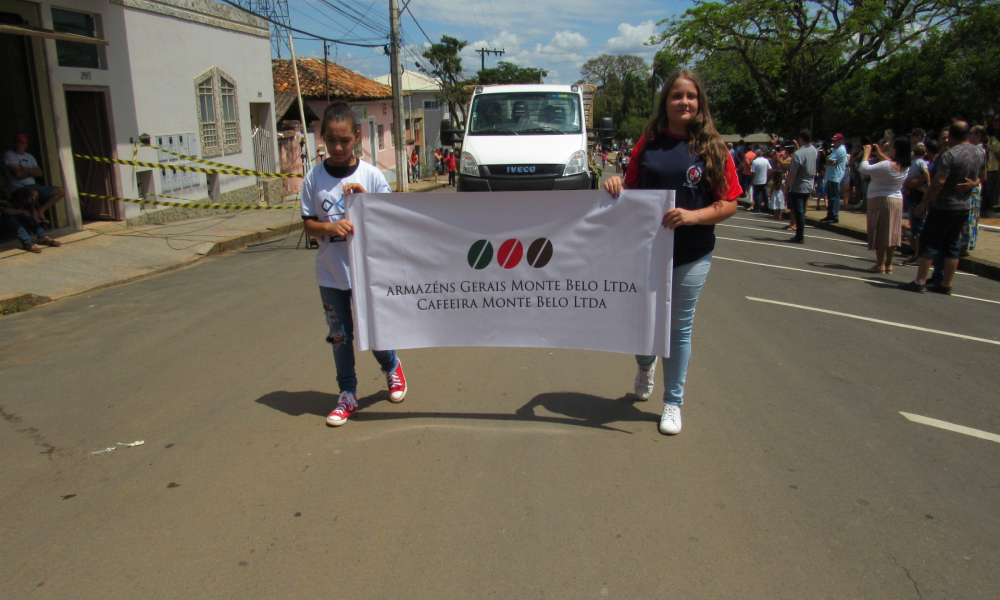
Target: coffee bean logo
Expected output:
[510,253]
[539,253]
[480,254]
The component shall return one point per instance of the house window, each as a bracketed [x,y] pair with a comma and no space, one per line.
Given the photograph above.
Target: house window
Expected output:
[76,54]
[206,117]
[218,113]
[431,105]
[381,137]
[230,114]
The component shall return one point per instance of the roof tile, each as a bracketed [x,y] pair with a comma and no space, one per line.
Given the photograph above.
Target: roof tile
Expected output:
[344,83]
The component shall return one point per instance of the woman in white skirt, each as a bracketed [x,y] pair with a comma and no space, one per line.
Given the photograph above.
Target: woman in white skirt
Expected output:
[885,200]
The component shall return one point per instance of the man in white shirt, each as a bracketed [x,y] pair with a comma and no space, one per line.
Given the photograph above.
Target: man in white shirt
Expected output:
[21,169]
[760,168]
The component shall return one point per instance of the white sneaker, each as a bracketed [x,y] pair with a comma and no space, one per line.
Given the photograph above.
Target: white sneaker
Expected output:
[670,422]
[644,382]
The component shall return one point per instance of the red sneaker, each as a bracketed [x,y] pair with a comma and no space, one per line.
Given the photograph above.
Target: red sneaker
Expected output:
[346,405]
[396,382]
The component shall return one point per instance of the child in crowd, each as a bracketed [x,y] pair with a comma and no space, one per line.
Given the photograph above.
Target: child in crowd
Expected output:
[323,191]
[776,197]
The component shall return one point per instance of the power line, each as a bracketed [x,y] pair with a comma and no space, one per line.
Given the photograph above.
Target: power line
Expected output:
[415,22]
[358,19]
[311,35]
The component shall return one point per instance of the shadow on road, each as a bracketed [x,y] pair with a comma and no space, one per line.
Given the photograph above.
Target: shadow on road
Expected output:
[839,267]
[770,239]
[581,410]
[313,403]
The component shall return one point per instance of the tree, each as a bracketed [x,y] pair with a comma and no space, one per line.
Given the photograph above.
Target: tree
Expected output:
[951,74]
[797,51]
[444,64]
[506,72]
[622,82]
[605,69]
[737,103]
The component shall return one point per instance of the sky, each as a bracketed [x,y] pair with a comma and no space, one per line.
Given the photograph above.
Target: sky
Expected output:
[556,36]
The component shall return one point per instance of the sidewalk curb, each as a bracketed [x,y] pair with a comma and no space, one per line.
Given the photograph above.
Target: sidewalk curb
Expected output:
[969,264]
[21,301]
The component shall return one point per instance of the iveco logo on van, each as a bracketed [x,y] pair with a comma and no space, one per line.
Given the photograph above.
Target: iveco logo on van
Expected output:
[521,169]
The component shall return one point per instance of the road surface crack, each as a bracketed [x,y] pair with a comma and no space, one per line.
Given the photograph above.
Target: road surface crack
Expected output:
[908,576]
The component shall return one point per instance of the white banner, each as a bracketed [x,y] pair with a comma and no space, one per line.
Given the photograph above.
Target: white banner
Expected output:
[566,269]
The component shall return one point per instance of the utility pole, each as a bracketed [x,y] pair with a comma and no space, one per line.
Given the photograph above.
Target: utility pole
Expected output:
[402,164]
[484,51]
[326,71]
[307,155]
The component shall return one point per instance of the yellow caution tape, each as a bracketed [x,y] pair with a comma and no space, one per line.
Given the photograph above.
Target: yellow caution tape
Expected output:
[227,171]
[192,158]
[192,204]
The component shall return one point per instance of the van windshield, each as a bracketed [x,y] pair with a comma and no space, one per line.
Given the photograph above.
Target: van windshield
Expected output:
[526,113]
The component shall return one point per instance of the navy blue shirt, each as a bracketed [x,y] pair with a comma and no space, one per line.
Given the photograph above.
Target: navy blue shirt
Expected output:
[665,164]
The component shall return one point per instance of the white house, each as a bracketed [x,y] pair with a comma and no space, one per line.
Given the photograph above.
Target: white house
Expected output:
[194,75]
[422,112]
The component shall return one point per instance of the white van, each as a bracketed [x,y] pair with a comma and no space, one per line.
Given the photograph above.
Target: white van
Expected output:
[525,137]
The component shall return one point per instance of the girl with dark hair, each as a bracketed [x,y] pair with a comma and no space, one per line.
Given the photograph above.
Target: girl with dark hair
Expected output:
[885,200]
[681,150]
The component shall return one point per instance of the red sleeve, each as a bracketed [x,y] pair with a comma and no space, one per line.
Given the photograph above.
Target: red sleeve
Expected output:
[734,190]
[632,171]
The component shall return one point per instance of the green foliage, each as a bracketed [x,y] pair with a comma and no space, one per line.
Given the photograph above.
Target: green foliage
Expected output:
[953,73]
[506,72]
[796,52]
[737,103]
[444,64]
[623,91]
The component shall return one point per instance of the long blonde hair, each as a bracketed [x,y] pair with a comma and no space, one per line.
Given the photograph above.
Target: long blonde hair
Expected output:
[704,141]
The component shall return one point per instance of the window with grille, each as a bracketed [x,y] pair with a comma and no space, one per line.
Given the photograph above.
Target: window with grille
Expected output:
[381,137]
[206,117]
[230,114]
[218,113]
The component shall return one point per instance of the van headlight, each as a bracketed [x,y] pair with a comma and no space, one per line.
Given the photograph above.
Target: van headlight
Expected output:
[577,164]
[469,165]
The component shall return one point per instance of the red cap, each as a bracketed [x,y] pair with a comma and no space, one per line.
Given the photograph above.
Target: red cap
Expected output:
[20,138]
[838,138]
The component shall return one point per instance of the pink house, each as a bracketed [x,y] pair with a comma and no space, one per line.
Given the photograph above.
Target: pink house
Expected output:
[319,80]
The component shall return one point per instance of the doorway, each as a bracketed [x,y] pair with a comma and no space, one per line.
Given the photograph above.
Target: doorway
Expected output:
[373,141]
[90,134]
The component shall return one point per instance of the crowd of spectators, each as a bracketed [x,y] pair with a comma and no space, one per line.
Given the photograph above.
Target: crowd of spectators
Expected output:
[940,182]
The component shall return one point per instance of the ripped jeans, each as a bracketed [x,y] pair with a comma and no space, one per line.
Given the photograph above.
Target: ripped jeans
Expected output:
[340,319]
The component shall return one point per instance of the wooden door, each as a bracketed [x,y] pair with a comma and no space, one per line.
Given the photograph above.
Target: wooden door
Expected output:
[90,135]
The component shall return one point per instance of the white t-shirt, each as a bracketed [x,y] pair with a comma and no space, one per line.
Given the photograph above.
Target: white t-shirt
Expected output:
[759,167]
[886,181]
[25,160]
[322,200]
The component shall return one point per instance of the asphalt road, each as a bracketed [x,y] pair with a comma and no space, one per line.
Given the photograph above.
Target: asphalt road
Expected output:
[506,473]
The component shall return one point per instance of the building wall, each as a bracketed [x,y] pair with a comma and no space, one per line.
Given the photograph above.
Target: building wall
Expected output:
[379,111]
[156,50]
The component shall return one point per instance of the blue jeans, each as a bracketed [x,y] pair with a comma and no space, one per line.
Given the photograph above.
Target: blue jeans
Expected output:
[340,319]
[686,287]
[759,197]
[833,199]
[16,223]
